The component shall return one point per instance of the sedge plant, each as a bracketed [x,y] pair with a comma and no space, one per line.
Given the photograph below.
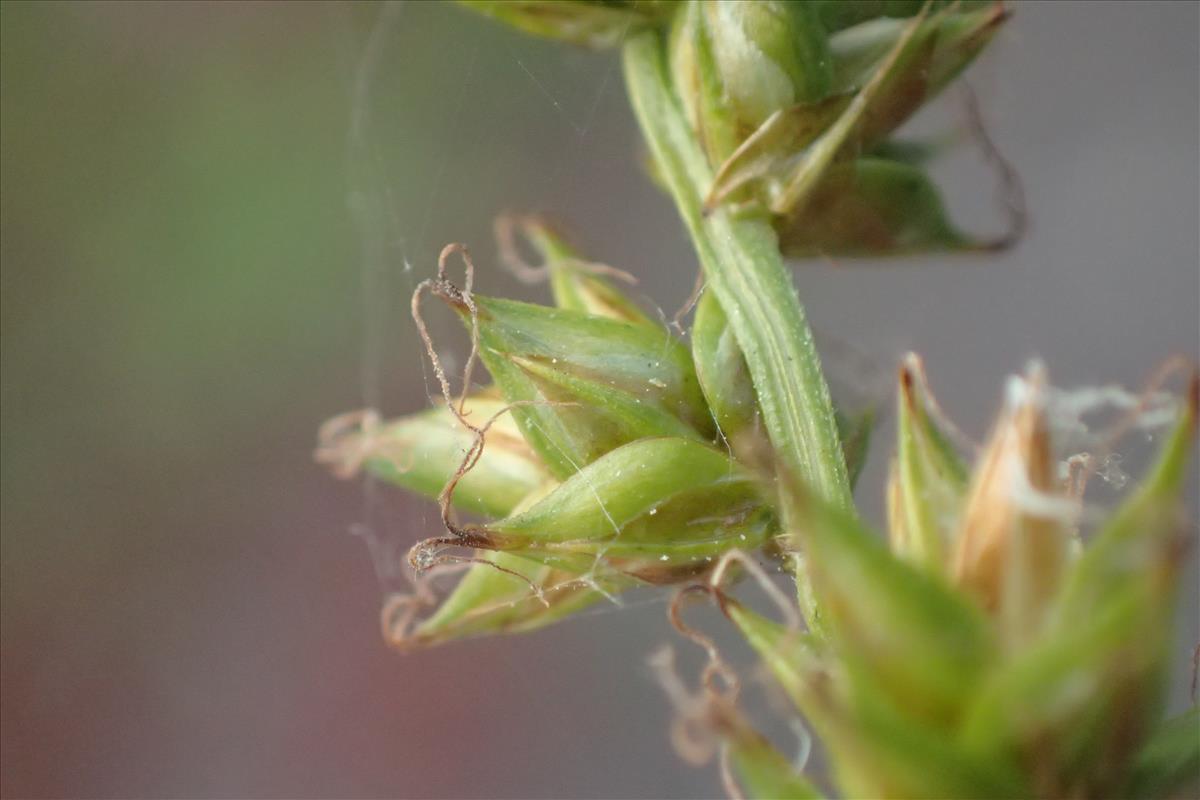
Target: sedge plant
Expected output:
[982,648]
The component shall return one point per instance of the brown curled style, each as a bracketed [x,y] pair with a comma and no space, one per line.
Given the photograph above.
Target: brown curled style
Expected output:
[1010,191]
[398,616]
[708,719]
[792,618]
[397,619]
[701,718]
[345,442]
[791,614]
[442,287]
[1175,365]
[692,740]
[603,270]
[505,228]
[693,298]
[401,612]
[728,781]
[717,667]
[713,589]
[474,452]
[430,554]
[1082,468]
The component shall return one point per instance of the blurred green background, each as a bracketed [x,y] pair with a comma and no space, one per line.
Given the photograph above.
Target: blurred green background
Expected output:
[213,215]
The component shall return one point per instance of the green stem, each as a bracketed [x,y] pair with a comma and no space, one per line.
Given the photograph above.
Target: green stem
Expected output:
[743,266]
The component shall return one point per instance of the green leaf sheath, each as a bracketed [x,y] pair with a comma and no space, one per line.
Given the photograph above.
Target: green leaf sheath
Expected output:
[743,266]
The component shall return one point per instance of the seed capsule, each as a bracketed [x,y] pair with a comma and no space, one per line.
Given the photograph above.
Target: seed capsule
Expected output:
[656,509]
[646,363]
[422,451]
[597,416]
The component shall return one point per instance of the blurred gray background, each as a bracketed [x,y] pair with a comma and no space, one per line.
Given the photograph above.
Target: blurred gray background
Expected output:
[212,218]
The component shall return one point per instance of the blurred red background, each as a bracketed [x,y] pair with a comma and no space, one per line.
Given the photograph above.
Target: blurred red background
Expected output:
[201,263]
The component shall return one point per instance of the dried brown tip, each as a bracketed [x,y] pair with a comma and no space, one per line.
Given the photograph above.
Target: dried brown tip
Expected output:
[906,376]
[911,371]
[1000,13]
[919,398]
